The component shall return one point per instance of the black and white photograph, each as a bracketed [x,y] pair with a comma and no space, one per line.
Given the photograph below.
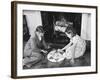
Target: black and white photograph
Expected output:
[53,39]
[56,39]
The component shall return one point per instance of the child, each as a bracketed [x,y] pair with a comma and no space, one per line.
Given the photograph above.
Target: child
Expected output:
[34,47]
[76,46]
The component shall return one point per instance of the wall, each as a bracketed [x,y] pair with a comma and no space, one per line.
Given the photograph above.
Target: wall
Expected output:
[33,20]
[5,40]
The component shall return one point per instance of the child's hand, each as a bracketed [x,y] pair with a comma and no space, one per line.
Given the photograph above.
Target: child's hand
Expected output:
[49,47]
[43,51]
[59,50]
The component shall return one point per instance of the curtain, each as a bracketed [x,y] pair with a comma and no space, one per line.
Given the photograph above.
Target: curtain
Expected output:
[86,26]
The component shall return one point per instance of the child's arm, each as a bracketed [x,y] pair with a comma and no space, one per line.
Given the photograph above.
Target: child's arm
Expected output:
[68,45]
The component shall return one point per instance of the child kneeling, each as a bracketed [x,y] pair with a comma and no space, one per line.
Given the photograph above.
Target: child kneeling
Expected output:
[76,47]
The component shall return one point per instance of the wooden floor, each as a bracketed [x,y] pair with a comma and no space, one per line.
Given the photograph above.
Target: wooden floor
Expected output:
[85,60]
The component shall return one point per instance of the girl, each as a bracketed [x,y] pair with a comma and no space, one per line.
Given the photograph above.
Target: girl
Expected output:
[76,46]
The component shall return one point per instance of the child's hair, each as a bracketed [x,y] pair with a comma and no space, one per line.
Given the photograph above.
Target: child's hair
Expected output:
[71,30]
[40,29]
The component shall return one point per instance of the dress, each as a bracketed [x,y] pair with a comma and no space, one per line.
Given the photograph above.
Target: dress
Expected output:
[78,49]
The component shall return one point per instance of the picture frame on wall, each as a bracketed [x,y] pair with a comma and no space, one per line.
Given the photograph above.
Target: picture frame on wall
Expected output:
[51,39]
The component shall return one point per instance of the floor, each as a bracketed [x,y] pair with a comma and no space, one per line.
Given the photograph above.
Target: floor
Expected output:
[85,60]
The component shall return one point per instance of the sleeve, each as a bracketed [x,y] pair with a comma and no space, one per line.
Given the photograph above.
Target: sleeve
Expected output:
[44,43]
[74,40]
